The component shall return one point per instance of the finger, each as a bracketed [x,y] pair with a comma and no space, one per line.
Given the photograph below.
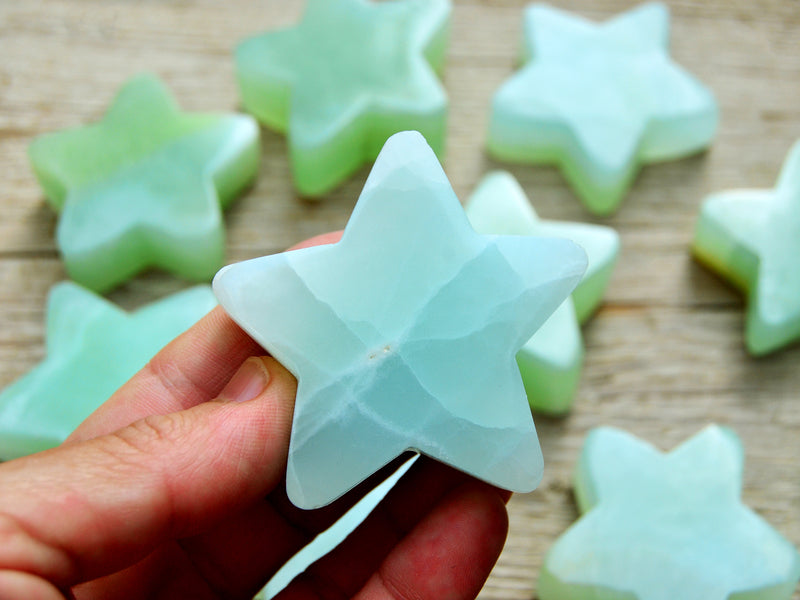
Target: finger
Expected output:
[24,586]
[190,370]
[351,564]
[450,554]
[447,554]
[159,479]
[318,240]
[263,542]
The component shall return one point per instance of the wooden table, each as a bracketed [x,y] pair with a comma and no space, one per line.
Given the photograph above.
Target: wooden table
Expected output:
[664,353]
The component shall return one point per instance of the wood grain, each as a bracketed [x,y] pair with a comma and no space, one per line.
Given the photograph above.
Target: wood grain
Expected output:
[664,353]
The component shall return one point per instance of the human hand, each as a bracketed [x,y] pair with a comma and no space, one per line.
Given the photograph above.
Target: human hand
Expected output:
[174,489]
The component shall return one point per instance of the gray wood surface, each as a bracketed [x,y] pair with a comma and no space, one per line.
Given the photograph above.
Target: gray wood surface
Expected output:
[664,353]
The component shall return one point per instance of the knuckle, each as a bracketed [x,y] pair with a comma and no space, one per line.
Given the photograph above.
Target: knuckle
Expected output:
[152,433]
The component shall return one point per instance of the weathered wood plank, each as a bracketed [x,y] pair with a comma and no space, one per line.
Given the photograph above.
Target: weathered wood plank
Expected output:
[664,353]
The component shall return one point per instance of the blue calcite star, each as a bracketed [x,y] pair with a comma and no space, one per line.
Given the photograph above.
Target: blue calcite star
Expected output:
[599,101]
[145,186]
[403,334]
[752,237]
[346,77]
[93,347]
[551,361]
[666,526]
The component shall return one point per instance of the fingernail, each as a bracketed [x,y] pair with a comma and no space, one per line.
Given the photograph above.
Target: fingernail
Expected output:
[248,382]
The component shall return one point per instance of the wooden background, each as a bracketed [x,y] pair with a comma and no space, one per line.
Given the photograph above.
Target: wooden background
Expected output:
[664,354]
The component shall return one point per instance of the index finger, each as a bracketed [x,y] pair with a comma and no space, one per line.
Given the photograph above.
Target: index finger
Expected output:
[190,370]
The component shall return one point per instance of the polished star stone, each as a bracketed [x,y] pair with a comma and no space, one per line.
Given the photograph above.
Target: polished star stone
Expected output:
[403,334]
[93,347]
[551,361]
[666,526]
[752,237]
[599,101]
[145,186]
[346,77]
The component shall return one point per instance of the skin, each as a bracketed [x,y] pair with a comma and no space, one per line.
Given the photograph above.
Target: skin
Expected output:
[174,489]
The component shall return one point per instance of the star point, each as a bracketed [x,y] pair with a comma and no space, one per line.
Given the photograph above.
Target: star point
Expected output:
[599,100]
[403,334]
[752,238]
[662,526]
[145,186]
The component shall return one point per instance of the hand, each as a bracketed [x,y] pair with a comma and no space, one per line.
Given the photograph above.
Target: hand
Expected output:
[173,489]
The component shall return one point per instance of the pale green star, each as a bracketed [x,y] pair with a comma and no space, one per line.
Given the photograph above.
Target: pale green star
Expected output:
[551,361]
[403,334]
[752,237]
[346,77]
[145,186]
[93,347]
[666,526]
[599,101]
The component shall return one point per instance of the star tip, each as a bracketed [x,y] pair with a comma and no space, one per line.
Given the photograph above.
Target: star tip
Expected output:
[217,281]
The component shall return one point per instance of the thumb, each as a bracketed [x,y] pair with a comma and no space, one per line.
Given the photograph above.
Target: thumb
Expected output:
[89,508]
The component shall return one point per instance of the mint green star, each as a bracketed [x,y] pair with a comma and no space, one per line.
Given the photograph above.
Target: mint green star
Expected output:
[145,186]
[599,101]
[666,526]
[93,347]
[752,237]
[551,361]
[349,75]
[403,334]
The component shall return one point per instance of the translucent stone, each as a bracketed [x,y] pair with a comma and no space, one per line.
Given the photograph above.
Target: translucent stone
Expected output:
[145,186]
[551,360]
[93,347]
[752,238]
[346,77]
[599,101]
[666,526]
[403,334]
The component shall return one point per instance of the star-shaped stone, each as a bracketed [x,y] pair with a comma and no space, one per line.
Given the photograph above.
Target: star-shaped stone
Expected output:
[666,526]
[752,237]
[93,347]
[403,334]
[346,77]
[551,361]
[145,186]
[599,101]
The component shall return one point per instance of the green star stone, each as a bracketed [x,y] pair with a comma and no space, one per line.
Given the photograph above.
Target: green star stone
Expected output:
[145,186]
[93,347]
[350,74]
[599,101]
[752,238]
[666,526]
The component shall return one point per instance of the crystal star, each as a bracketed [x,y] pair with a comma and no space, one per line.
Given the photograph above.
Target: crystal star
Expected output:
[599,101]
[93,347]
[344,79]
[752,237]
[145,186]
[403,334]
[550,362]
[663,527]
